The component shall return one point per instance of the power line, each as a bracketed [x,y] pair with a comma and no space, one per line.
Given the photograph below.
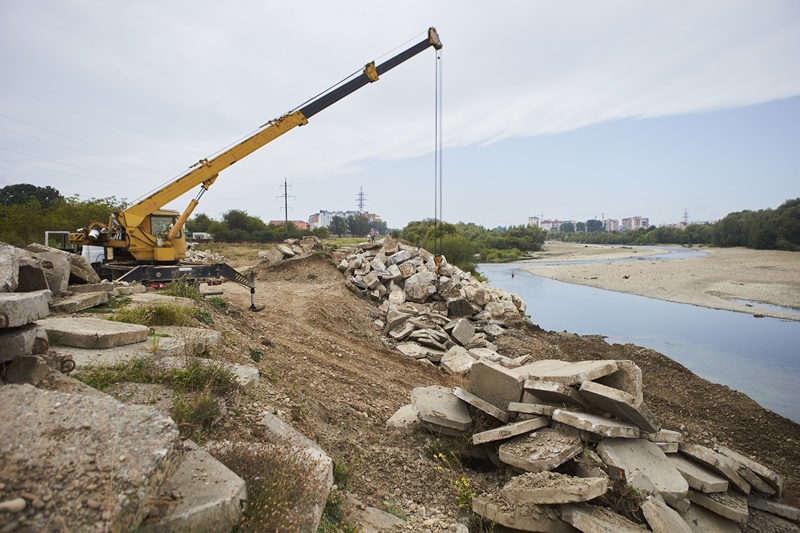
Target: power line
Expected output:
[126,182]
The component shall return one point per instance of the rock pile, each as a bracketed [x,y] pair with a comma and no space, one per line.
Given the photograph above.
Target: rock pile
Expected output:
[200,257]
[588,455]
[450,318]
[291,248]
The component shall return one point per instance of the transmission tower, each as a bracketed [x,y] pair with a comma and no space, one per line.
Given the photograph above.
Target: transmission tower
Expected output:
[285,196]
[685,217]
[361,200]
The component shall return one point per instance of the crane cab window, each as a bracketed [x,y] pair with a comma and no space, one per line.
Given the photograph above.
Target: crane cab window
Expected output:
[160,225]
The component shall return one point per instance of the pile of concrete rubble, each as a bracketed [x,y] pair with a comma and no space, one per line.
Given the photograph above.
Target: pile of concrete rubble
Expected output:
[450,318]
[587,454]
[291,248]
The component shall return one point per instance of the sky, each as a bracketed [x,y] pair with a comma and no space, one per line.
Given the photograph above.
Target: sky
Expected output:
[567,110]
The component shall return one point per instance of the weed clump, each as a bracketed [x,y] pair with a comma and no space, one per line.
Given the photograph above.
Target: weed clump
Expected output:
[161,314]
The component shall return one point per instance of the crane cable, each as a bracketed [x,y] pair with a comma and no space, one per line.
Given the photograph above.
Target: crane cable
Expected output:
[437,187]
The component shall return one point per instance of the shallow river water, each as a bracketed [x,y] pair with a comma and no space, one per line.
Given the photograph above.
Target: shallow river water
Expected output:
[757,356]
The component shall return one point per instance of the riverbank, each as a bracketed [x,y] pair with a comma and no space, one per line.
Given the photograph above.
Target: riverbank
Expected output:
[716,280]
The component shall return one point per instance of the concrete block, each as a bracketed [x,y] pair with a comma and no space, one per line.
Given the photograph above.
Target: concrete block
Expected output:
[730,505]
[78,302]
[495,383]
[628,378]
[273,255]
[509,431]
[83,332]
[463,331]
[594,519]
[762,471]
[480,404]
[437,405]
[554,392]
[643,455]
[620,404]
[58,272]
[663,519]
[717,463]
[32,274]
[771,506]
[698,478]
[701,520]
[21,308]
[521,517]
[532,408]
[552,488]
[542,450]
[596,424]
[9,268]
[49,437]
[211,496]
[457,361]
[30,339]
[80,271]
[27,369]
[404,420]
[576,373]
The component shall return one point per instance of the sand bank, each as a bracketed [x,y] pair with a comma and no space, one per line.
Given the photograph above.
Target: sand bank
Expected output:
[715,280]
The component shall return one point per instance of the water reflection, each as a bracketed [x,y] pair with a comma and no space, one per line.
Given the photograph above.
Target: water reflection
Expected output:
[757,356]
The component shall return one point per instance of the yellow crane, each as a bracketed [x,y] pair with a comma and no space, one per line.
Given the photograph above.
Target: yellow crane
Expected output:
[145,241]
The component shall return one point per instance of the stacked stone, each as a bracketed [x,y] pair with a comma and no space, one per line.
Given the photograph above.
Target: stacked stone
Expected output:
[450,319]
[291,248]
[590,455]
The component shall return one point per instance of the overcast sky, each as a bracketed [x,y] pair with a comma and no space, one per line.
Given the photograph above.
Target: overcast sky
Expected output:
[573,109]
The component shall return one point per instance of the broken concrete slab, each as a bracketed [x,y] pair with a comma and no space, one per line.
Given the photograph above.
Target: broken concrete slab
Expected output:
[576,373]
[595,519]
[418,351]
[30,339]
[620,404]
[730,505]
[32,273]
[542,450]
[80,271]
[554,392]
[596,424]
[509,431]
[457,361]
[211,496]
[756,483]
[532,408]
[56,271]
[628,378]
[77,441]
[762,471]
[777,508]
[762,522]
[419,286]
[78,302]
[463,331]
[273,255]
[27,369]
[495,383]
[701,520]
[104,286]
[437,405]
[552,488]
[404,420]
[82,332]
[521,517]
[699,478]
[640,454]
[21,308]
[151,298]
[368,519]
[9,267]
[668,447]
[717,463]
[481,404]
[664,435]
[589,464]
[663,519]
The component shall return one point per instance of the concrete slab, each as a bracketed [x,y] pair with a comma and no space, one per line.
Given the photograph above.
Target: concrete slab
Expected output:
[553,392]
[103,286]
[480,404]
[93,332]
[698,478]
[628,378]
[495,383]
[463,331]
[701,520]
[757,484]
[717,463]
[542,450]
[594,519]
[577,373]
[532,408]
[211,496]
[30,339]
[668,447]
[417,351]
[521,517]
[664,435]
[761,522]
[58,275]
[457,361]
[151,298]
[78,302]
[643,455]
[663,519]
[620,404]
[437,405]
[9,267]
[509,431]
[777,508]
[552,488]
[588,464]
[80,269]
[93,449]
[768,475]
[368,519]
[404,420]
[730,505]
[21,308]
[184,341]
[596,424]
[32,274]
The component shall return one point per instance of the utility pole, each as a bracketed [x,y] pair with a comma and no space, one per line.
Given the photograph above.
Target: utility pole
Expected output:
[361,200]
[285,205]
[685,217]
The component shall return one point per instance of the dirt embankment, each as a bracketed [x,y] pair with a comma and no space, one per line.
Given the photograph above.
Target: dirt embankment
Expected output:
[336,380]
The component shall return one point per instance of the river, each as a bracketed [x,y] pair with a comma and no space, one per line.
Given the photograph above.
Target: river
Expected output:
[757,356]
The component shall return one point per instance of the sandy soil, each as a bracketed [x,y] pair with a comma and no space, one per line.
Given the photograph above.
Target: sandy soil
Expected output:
[715,280]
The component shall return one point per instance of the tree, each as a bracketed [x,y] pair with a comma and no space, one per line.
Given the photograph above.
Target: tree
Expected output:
[199,223]
[580,227]
[338,225]
[23,192]
[567,227]
[358,225]
[594,226]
